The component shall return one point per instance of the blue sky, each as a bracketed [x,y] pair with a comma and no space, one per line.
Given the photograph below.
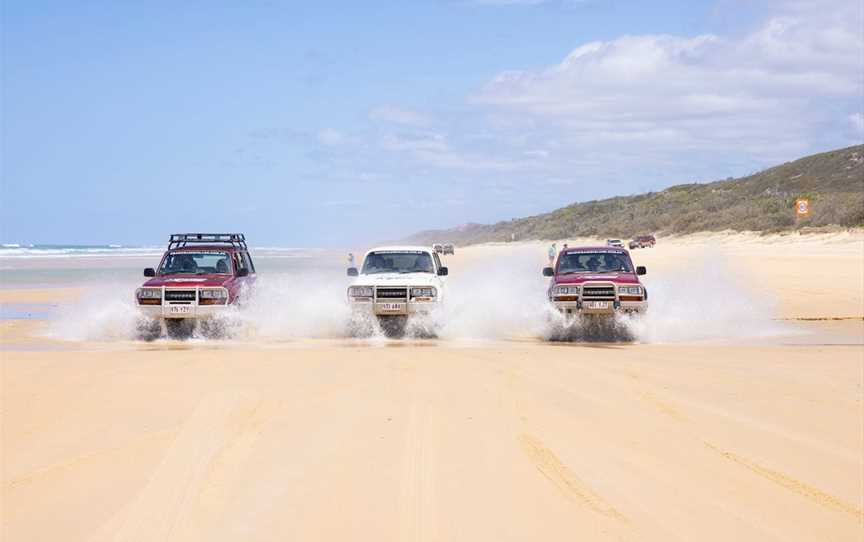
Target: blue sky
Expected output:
[337,123]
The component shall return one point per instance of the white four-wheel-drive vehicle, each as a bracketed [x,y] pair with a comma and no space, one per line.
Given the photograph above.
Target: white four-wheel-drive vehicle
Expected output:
[617,243]
[396,282]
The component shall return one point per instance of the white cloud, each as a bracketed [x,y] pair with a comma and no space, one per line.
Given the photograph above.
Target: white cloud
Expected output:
[510,2]
[765,91]
[397,115]
[331,137]
[563,3]
[415,141]
[537,153]
[433,149]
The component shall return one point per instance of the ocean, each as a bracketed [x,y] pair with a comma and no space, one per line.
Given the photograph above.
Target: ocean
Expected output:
[51,266]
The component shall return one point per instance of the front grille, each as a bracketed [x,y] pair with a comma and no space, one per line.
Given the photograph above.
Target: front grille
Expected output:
[391,293]
[595,293]
[179,295]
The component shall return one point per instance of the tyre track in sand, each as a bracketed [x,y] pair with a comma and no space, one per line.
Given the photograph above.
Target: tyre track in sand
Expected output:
[417,493]
[787,482]
[188,492]
[548,464]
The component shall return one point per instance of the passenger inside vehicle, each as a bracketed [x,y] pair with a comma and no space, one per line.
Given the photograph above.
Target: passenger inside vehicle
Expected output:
[593,262]
[398,262]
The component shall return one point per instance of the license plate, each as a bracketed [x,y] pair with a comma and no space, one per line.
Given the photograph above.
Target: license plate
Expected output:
[598,304]
[180,309]
[391,306]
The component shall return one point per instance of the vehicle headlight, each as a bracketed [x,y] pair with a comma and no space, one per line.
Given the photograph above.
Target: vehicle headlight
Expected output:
[149,293]
[424,292]
[360,291]
[630,290]
[566,290]
[215,293]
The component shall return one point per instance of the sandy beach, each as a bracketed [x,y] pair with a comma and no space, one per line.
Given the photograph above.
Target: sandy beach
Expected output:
[749,430]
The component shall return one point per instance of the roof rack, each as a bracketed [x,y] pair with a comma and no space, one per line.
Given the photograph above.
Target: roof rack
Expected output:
[179,240]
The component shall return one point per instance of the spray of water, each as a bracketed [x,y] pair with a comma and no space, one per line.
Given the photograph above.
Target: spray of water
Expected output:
[501,296]
[293,306]
[704,301]
[496,298]
[106,313]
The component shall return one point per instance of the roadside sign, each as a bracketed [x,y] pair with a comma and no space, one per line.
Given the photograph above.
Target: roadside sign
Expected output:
[802,207]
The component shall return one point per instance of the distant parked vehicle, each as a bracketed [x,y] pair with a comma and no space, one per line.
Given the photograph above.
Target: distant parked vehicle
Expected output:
[617,243]
[438,248]
[643,241]
[448,249]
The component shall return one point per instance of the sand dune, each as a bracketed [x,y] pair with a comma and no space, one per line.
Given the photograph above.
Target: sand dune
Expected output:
[751,438]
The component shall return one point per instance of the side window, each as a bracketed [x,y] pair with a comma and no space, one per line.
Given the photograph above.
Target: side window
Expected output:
[437,261]
[247,262]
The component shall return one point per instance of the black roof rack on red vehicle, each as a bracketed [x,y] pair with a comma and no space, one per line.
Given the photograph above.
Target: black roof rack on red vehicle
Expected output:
[179,240]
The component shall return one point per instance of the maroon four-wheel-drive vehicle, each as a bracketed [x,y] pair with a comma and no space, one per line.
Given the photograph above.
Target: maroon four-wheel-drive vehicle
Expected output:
[643,241]
[596,281]
[199,277]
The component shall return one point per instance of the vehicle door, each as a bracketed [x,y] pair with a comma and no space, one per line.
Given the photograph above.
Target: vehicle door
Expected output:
[246,263]
[439,280]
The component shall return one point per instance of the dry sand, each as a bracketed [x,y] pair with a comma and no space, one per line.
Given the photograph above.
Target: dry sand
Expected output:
[439,440]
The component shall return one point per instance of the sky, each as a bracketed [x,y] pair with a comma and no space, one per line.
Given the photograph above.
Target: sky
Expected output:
[329,124]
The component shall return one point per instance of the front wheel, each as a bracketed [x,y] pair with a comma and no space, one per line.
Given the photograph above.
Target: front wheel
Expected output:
[180,328]
[148,329]
[393,327]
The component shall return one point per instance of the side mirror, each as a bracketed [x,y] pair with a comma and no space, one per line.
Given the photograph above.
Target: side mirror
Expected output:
[149,272]
[352,272]
[640,270]
[243,272]
[548,272]
[443,271]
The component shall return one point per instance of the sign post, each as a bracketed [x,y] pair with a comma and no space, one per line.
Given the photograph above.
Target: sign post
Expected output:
[802,208]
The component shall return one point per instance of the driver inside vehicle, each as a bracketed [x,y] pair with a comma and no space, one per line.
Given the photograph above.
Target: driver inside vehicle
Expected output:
[182,263]
[374,262]
[611,262]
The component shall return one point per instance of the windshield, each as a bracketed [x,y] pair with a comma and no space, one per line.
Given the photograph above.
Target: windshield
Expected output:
[397,262]
[594,262]
[196,263]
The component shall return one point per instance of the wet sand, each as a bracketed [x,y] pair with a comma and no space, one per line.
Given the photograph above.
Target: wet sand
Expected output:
[519,439]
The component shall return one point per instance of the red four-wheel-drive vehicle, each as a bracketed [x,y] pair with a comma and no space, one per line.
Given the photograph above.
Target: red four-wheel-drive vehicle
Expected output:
[596,280]
[199,277]
[643,241]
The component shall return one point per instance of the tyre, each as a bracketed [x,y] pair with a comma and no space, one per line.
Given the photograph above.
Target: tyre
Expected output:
[393,327]
[589,328]
[180,328]
[361,325]
[148,329]
[421,326]
[211,328]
